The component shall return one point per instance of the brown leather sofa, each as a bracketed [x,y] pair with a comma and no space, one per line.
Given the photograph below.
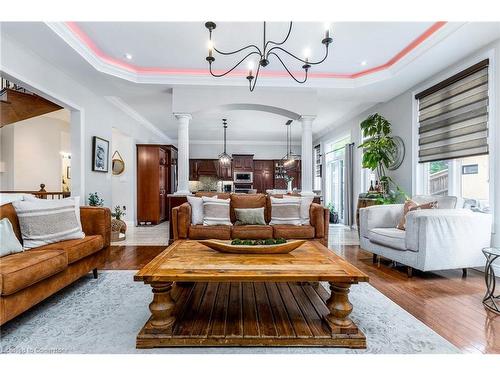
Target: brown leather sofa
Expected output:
[29,277]
[183,229]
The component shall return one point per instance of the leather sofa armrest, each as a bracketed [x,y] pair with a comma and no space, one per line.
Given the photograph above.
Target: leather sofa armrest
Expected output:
[181,220]
[319,218]
[95,221]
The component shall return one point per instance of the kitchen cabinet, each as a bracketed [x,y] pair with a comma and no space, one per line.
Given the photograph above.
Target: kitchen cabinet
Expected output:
[263,175]
[224,172]
[243,162]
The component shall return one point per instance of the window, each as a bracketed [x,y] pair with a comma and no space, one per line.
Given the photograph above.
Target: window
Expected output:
[453,137]
[317,167]
[468,178]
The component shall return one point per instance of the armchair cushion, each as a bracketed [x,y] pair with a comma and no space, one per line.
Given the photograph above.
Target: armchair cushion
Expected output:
[391,237]
[383,216]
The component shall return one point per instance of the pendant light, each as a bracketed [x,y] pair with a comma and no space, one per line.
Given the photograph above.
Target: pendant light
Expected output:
[224,158]
[290,157]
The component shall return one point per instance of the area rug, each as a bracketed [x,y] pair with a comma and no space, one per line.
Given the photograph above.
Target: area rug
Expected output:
[105,315]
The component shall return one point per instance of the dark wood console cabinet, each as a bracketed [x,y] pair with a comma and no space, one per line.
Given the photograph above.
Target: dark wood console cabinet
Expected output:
[156,177]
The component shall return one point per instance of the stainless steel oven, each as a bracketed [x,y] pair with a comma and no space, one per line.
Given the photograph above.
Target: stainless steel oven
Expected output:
[243,177]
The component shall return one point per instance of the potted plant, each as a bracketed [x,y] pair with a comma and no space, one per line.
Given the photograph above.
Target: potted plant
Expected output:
[378,147]
[95,200]
[334,215]
[117,224]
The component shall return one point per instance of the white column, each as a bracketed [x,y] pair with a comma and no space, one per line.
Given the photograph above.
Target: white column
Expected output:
[495,140]
[307,155]
[182,153]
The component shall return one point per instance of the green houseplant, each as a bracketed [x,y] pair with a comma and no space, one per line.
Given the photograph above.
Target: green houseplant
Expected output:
[95,200]
[334,215]
[378,147]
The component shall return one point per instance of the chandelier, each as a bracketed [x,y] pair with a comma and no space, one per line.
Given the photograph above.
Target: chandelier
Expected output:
[269,48]
[290,156]
[224,158]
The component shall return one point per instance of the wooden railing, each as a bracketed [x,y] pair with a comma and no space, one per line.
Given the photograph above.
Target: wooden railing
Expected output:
[42,193]
[438,183]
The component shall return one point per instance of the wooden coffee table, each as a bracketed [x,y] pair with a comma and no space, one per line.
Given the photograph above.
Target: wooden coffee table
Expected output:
[205,298]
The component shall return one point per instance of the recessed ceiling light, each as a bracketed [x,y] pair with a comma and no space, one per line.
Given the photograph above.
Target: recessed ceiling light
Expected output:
[363,63]
[128,56]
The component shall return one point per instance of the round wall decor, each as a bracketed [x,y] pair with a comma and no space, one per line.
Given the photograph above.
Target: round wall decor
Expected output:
[398,154]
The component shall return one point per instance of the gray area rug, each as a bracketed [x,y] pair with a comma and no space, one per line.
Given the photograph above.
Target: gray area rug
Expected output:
[105,315]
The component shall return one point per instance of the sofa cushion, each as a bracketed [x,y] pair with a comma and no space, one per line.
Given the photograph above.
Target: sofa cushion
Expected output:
[205,232]
[252,232]
[247,201]
[293,231]
[390,237]
[19,271]
[78,249]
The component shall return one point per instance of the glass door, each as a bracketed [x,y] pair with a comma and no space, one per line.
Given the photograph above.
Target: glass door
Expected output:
[335,180]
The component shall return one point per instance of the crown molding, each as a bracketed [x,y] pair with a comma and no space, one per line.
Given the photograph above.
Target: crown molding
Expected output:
[120,104]
[104,63]
[239,143]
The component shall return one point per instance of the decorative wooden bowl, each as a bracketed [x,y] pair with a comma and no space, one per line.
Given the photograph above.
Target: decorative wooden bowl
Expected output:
[226,247]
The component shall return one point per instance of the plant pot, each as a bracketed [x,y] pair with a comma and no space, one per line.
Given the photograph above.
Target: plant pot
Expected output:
[334,217]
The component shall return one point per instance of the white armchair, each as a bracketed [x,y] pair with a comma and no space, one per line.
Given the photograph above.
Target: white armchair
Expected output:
[433,240]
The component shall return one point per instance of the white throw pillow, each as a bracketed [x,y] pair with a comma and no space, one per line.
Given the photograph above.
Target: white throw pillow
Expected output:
[29,197]
[197,209]
[305,206]
[285,211]
[44,221]
[216,211]
[9,244]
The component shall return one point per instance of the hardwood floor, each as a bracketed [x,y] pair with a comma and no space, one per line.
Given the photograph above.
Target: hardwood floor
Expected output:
[444,301]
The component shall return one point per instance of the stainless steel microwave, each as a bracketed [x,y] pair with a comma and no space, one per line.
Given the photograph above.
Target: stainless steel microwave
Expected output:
[243,177]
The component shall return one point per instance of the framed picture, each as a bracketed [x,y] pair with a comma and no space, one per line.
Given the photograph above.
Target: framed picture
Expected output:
[100,154]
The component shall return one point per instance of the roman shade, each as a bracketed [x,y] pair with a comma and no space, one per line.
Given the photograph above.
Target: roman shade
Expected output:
[453,116]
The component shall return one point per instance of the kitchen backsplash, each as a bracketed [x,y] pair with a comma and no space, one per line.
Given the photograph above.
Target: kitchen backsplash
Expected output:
[205,183]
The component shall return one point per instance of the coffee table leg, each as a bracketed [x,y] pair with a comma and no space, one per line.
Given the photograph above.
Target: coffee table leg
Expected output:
[162,307]
[340,309]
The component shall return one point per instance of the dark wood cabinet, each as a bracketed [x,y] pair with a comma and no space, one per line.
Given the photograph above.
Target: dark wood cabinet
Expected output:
[243,162]
[263,175]
[208,167]
[224,172]
[156,177]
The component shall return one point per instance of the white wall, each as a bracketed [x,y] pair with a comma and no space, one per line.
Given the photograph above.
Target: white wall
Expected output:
[37,158]
[91,115]
[271,150]
[123,186]
[7,157]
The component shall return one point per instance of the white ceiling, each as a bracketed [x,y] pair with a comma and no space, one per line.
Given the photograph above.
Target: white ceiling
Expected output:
[156,44]
[182,45]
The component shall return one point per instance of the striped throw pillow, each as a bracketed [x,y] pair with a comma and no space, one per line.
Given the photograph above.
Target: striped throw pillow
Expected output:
[285,211]
[44,221]
[216,211]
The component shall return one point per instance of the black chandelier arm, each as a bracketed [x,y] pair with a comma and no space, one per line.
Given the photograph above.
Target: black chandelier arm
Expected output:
[252,87]
[234,67]
[282,42]
[289,72]
[239,50]
[298,58]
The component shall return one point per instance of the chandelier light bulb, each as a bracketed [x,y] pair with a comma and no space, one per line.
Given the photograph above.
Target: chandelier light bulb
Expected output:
[307,53]
[210,45]
[327,26]
[250,68]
